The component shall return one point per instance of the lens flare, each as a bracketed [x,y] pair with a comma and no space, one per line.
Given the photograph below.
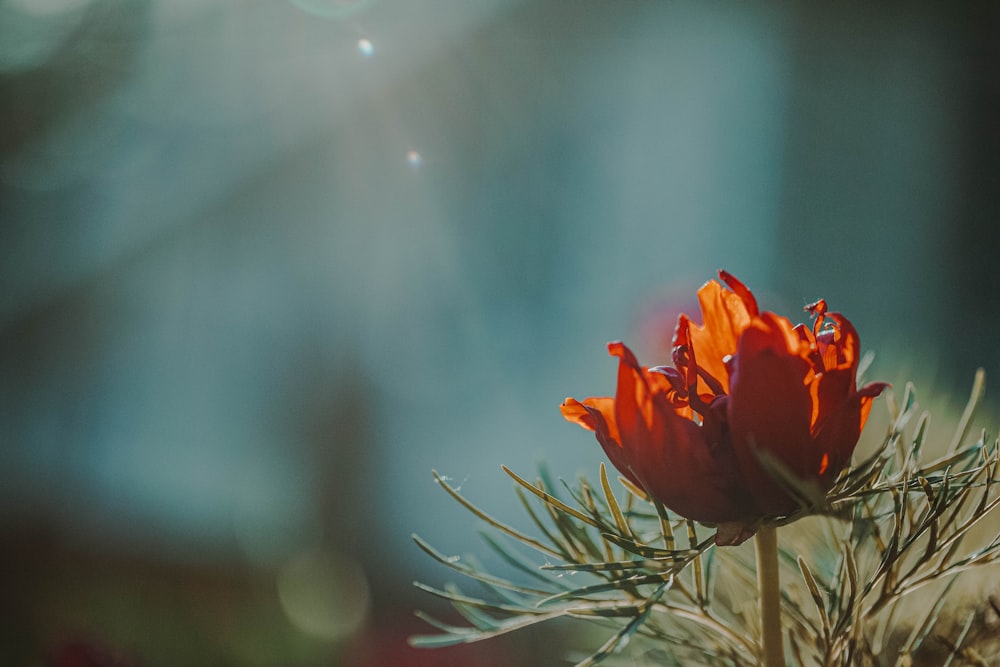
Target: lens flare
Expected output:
[323,595]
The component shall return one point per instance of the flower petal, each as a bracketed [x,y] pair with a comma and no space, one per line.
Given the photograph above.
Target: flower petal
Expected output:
[633,398]
[725,315]
[838,433]
[592,414]
[827,392]
[733,533]
[770,409]
[598,415]
[676,466]
[668,452]
[756,416]
[657,448]
[839,346]
[741,290]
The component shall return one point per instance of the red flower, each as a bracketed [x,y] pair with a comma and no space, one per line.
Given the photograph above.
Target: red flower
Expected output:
[756,418]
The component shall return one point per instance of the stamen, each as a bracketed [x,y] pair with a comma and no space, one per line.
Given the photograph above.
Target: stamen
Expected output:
[684,361]
[817,310]
[809,339]
[679,356]
[712,383]
[675,378]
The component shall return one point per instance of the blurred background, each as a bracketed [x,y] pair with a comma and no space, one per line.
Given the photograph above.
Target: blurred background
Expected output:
[266,263]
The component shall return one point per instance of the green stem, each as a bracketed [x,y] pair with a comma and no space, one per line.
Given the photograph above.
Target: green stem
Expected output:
[769,596]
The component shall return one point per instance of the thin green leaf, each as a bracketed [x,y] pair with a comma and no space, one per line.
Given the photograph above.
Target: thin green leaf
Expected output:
[975,396]
[817,598]
[622,637]
[562,549]
[550,499]
[609,496]
[633,489]
[519,562]
[455,564]
[611,586]
[577,541]
[659,554]
[919,436]
[906,409]
[697,573]
[490,520]
[457,596]
[609,566]
[467,635]
[956,648]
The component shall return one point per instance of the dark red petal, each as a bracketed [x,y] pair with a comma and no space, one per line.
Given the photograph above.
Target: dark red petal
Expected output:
[829,390]
[770,409]
[666,451]
[675,464]
[749,302]
[870,391]
[734,533]
[633,398]
[838,434]
[597,414]
[873,389]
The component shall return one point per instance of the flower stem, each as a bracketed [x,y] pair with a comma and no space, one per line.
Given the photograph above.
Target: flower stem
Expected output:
[769,596]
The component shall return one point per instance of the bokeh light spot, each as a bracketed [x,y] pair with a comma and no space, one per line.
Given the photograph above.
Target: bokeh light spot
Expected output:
[323,596]
[414,159]
[366,47]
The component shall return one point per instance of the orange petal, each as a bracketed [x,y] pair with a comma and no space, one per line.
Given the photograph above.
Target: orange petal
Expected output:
[725,316]
[597,414]
[840,348]
[578,413]
[746,296]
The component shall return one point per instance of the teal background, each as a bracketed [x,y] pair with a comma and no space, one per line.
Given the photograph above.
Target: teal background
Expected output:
[240,321]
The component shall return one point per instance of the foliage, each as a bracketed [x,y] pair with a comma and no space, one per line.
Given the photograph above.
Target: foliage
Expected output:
[892,525]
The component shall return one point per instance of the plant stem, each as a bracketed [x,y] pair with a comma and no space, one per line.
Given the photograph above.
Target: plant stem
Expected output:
[769,596]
